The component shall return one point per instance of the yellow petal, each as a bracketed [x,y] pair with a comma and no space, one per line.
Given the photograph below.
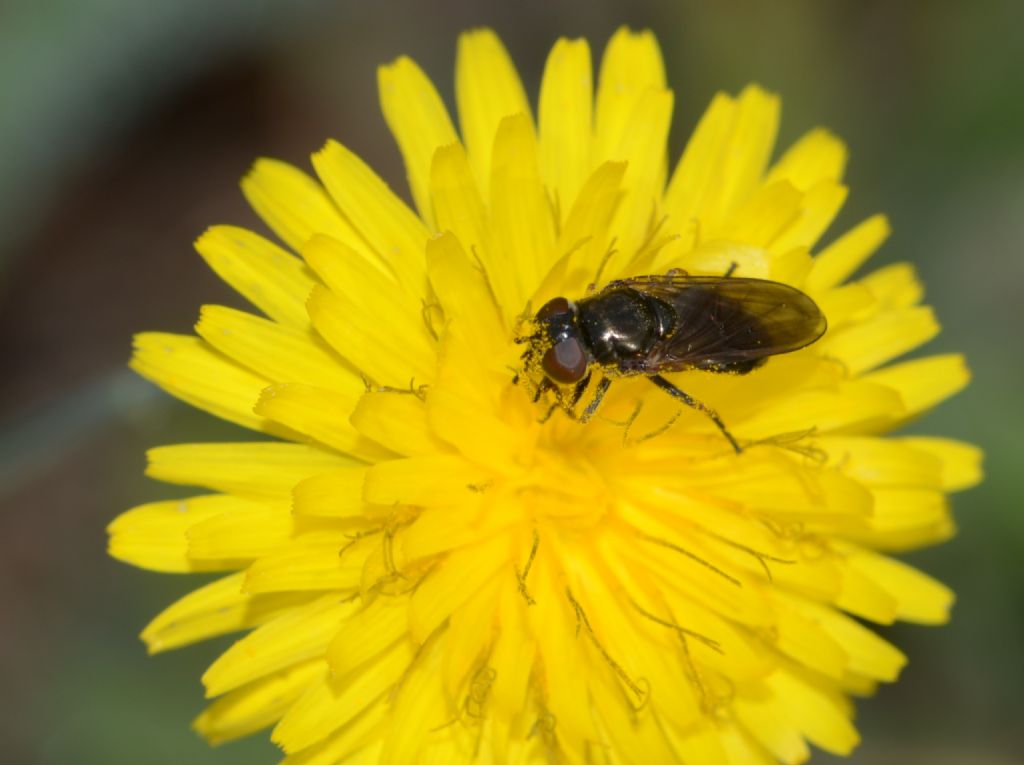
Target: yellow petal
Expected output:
[447,587]
[628,641]
[366,288]
[819,712]
[418,120]
[686,576]
[153,536]
[923,383]
[462,292]
[419,707]
[882,461]
[358,742]
[765,719]
[643,148]
[865,346]
[895,285]
[585,237]
[791,266]
[900,535]
[294,205]
[487,89]
[469,634]
[859,685]
[382,219]
[439,529]
[257,705]
[866,652]
[697,170]
[245,532]
[901,511]
[189,369]
[367,633]
[846,407]
[765,215]
[740,749]
[433,480]
[329,561]
[297,636]
[553,625]
[214,609]
[274,351]
[328,706]
[745,156]
[625,730]
[700,743]
[960,462]
[330,259]
[397,420]
[738,540]
[801,637]
[791,490]
[631,67]
[320,414]
[337,493]
[509,740]
[839,260]
[905,519]
[817,156]
[565,120]
[632,117]
[521,217]
[458,205]
[820,206]
[845,305]
[463,409]
[268,277]
[863,597]
[714,258]
[266,470]
[919,597]
[372,342]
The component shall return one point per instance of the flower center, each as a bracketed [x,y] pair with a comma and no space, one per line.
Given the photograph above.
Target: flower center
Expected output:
[564,486]
[559,479]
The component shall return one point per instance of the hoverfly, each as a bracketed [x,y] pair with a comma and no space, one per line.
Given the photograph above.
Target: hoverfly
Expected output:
[650,325]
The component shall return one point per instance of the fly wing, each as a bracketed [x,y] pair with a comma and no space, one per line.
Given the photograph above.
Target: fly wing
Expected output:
[729,324]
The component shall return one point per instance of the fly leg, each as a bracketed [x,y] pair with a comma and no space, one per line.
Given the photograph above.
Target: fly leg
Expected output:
[547,415]
[693,403]
[731,269]
[526,358]
[602,388]
[546,385]
[577,392]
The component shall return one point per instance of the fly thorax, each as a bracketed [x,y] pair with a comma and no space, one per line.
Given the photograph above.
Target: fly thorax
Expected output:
[619,325]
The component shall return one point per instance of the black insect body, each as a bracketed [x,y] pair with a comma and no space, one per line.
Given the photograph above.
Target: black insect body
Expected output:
[649,325]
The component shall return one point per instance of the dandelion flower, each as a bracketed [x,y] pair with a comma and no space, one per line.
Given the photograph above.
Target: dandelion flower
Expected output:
[428,570]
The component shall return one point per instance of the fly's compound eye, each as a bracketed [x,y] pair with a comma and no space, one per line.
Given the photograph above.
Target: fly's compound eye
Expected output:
[554,307]
[565,362]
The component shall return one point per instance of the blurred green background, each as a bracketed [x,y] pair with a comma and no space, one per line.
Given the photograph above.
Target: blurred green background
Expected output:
[124,128]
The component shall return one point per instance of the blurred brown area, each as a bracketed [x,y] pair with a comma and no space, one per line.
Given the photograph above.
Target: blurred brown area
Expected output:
[125,128]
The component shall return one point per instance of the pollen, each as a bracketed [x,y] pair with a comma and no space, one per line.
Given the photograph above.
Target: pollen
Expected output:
[426,559]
